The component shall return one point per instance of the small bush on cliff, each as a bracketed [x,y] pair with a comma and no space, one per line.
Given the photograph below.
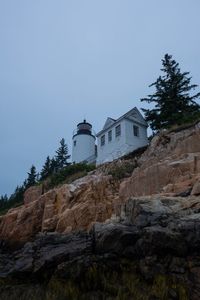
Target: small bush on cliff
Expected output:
[173,103]
[70,173]
[123,170]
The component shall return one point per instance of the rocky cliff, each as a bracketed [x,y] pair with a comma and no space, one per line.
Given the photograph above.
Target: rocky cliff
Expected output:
[171,164]
[63,209]
[150,252]
[128,230]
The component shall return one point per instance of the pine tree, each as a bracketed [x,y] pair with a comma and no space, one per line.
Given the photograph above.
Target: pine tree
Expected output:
[3,201]
[25,184]
[62,155]
[46,169]
[18,195]
[32,175]
[4,198]
[173,103]
[54,166]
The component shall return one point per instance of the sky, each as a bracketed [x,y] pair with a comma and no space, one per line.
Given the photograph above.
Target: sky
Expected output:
[65,60]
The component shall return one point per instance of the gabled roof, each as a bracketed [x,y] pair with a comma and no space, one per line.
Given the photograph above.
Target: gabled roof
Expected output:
[132,115]
[108,123]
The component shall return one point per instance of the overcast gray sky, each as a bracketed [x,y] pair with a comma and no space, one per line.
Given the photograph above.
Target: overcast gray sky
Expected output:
[63,60]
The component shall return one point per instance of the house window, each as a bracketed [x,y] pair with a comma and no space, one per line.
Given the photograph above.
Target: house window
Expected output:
[135,130]
[74,143]
[110,135]
[118,130]
[103,140]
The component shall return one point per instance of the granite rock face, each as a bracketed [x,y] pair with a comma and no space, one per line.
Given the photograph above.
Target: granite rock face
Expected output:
[32,194]
[108,236]
[171,165]
[150,251]
[64,209]
[22,223]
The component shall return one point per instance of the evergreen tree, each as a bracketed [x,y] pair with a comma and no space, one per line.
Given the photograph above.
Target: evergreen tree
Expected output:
[46,169]
[18,195]
[3,201]
[173,103]
[62,155]
[53,166]
[25,184]
[32,176]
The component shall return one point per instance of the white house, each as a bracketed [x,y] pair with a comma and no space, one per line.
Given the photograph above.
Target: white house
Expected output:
[121,136]
[117,138]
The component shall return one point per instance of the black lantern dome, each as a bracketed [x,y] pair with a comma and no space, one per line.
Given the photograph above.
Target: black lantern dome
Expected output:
[84,128]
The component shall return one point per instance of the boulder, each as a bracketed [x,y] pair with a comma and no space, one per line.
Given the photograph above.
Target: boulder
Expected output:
[32,194]
[170,165]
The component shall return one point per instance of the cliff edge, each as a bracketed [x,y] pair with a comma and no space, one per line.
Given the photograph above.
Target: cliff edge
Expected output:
[128,230]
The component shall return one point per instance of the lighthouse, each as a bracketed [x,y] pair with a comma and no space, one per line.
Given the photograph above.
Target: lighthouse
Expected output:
[83,146]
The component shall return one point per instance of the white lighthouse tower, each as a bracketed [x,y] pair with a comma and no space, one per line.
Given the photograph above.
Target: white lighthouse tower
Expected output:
[83,147]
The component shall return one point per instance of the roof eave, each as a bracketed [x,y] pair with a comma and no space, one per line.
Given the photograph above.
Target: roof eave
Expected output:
[125,116]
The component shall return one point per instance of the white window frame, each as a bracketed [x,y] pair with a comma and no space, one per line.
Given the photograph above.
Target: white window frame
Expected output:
[103,140]
[110,136]
[118,131]
[136,131]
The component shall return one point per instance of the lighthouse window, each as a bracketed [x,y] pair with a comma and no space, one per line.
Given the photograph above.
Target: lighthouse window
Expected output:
[103,140]
[118,130]
[74,143]
[110,135]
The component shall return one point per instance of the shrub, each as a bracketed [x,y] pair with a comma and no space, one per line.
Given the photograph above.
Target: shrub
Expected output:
[70,173]
[123,170]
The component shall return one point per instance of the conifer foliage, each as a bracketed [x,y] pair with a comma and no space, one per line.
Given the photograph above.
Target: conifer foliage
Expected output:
[46,169]
[62,156]
[14,200]
[173,103]
[3,201]
[32,177]
[55,169]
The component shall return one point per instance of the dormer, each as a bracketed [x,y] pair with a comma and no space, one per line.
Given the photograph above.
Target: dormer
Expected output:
[108,123]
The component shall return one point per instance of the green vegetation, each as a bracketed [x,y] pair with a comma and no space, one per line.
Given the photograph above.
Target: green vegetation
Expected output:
[47,169]
[123,170]
[65,175]
[32,177]
[69,174]
[62,156]
[14,200]
[135,153]
[55,171]
[173,103]
[126,165]
[57,163]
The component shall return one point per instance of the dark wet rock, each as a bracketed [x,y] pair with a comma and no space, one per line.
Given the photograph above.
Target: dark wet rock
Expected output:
[150,251]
